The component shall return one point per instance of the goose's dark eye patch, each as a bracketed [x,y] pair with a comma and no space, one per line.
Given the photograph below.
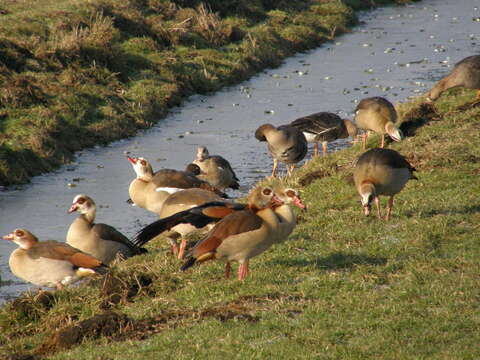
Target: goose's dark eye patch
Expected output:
[19,233]
[267,191]
[143,162]
[291,193]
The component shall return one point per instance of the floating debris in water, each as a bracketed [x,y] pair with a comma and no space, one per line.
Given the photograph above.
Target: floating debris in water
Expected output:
[71,185]
[200,121]
[188,132]
[477,19]
[235,104]
[269,112]
[369,71]
[100,166]
[345,91]
[389,50]
[366,45]
[289,104]
[327,77]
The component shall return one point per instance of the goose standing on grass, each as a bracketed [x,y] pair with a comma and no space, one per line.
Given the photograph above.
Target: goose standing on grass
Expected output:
[99,240]
[285,143]
[283,210]
[466,73]
[241,235]
[50,263]
[149,190]
[379,115]
[181,201]
[215,170]
[381,172]
[324,127]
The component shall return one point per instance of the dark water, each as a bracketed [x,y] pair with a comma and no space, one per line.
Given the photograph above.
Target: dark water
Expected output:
[398,52]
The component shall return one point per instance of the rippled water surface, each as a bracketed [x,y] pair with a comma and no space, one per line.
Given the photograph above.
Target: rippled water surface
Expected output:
[397,52]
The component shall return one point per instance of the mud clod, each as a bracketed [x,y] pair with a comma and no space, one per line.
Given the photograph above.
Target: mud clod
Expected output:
[108,324]
[32,306]
[116,290]
[416,118]
[311,177]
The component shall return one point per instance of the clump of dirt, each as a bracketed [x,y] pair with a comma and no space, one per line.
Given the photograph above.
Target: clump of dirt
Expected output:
[416,118]
[307,179]
[20,357]
[109,324]
[32,306]
[116,289]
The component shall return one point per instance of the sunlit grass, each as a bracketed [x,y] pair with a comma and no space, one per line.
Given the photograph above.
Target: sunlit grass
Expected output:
[343,286]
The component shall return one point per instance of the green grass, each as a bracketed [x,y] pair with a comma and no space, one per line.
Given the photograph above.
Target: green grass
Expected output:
[76,74]
[343,286]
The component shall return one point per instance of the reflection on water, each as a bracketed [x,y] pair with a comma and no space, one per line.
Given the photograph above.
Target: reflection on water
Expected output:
[397,52]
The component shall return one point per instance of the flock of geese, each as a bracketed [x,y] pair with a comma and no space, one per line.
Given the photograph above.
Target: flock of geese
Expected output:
[193,199]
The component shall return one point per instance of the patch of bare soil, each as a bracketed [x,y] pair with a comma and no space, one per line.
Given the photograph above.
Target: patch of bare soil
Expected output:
[108,324]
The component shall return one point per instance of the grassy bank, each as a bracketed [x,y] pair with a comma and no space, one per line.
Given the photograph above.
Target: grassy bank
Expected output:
[343,287]
[75,74]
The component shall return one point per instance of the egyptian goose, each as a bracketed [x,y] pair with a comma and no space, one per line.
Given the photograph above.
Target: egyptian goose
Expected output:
[379,115]
[283,210]
[381,172]
[465,73]
[149,190]
[99,240]
[324,127]
[241,235]
[215,170]
[212,212]
[285,143]
[198,216]
[50,263]
[180,201]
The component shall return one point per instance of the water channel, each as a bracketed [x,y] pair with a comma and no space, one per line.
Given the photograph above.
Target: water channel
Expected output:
[396,52]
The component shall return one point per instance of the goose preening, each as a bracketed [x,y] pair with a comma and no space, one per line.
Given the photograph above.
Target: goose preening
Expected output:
[381,172]
[465,73]
[215,170]
[149,190]
[50,263]
[379,115]
[99,240]
[324,127]
[286,144]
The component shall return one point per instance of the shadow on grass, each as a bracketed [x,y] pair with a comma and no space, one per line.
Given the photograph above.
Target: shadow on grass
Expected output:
[335,261]
[471,209]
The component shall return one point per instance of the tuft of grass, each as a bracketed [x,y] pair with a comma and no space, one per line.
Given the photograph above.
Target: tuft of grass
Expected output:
[343,286]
